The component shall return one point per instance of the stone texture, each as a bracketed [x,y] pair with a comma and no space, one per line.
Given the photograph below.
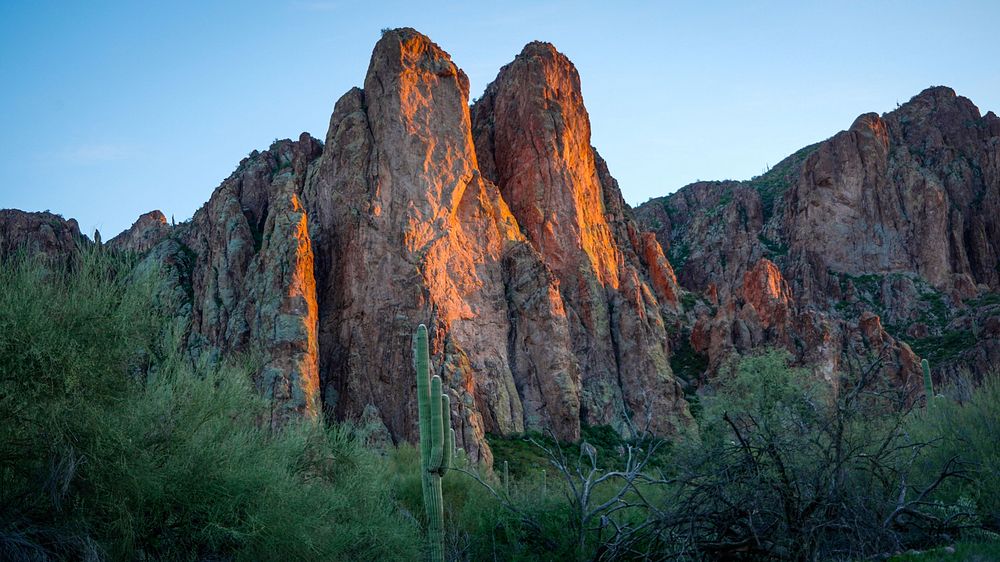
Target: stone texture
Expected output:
[550,302]
[147,231]
[533,140]
[41,233]
[894,218]
[410,232]
[244,266]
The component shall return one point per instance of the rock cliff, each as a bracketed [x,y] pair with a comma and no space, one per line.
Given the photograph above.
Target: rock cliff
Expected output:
[533,140]
[551,303]
[319,259]
[886,233]
[147,231]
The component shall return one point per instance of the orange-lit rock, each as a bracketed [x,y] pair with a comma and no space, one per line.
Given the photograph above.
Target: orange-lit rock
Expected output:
[533,140]
[410,232]
[660,273]
[766,291]
[147,231]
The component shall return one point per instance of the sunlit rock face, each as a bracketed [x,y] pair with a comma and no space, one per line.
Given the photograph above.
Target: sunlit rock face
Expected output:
[533,140]
[322,258]
[894,219]
[409,232]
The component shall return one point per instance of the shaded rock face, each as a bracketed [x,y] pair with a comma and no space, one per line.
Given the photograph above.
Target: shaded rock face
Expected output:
[147,231]
[41,233]
[764,313]
[244,270]
[893,218]
[533,140]
[711,230]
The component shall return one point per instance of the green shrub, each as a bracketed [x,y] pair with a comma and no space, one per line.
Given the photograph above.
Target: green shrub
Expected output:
[478,525]
[786,468]
[966,431]
[115,445]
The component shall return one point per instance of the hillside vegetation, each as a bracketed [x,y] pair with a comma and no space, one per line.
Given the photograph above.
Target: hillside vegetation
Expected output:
[115,445]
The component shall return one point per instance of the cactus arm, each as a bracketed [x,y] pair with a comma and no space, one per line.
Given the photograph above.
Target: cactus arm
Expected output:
[448,443]
[928,381]
[421,363]
[437,426]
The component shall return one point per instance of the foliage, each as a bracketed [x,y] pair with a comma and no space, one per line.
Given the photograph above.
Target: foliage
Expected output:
[986,299]
[113,445]
[785,469]
[478,525]
[776,249]
[967,431]
[526,456]
[947,346]
[678,254]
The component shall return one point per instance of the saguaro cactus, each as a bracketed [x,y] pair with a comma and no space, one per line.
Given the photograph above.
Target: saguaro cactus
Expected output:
[928,382]
[437,442]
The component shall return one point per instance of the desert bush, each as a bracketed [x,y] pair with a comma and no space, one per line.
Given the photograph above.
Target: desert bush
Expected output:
[115,445]
[529,522]
[786,468]
[966,430]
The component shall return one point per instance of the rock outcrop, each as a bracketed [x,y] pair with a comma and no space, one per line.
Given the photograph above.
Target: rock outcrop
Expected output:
[244,266]
[894,219]
[41,233]
[147,231]
[321,258]
[412,233]
[533,140]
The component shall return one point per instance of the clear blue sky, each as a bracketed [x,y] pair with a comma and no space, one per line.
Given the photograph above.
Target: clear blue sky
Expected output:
[111,109]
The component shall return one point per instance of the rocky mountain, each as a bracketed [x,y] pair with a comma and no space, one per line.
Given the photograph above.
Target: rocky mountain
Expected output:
[884,236]
[551,303]
[542,295]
